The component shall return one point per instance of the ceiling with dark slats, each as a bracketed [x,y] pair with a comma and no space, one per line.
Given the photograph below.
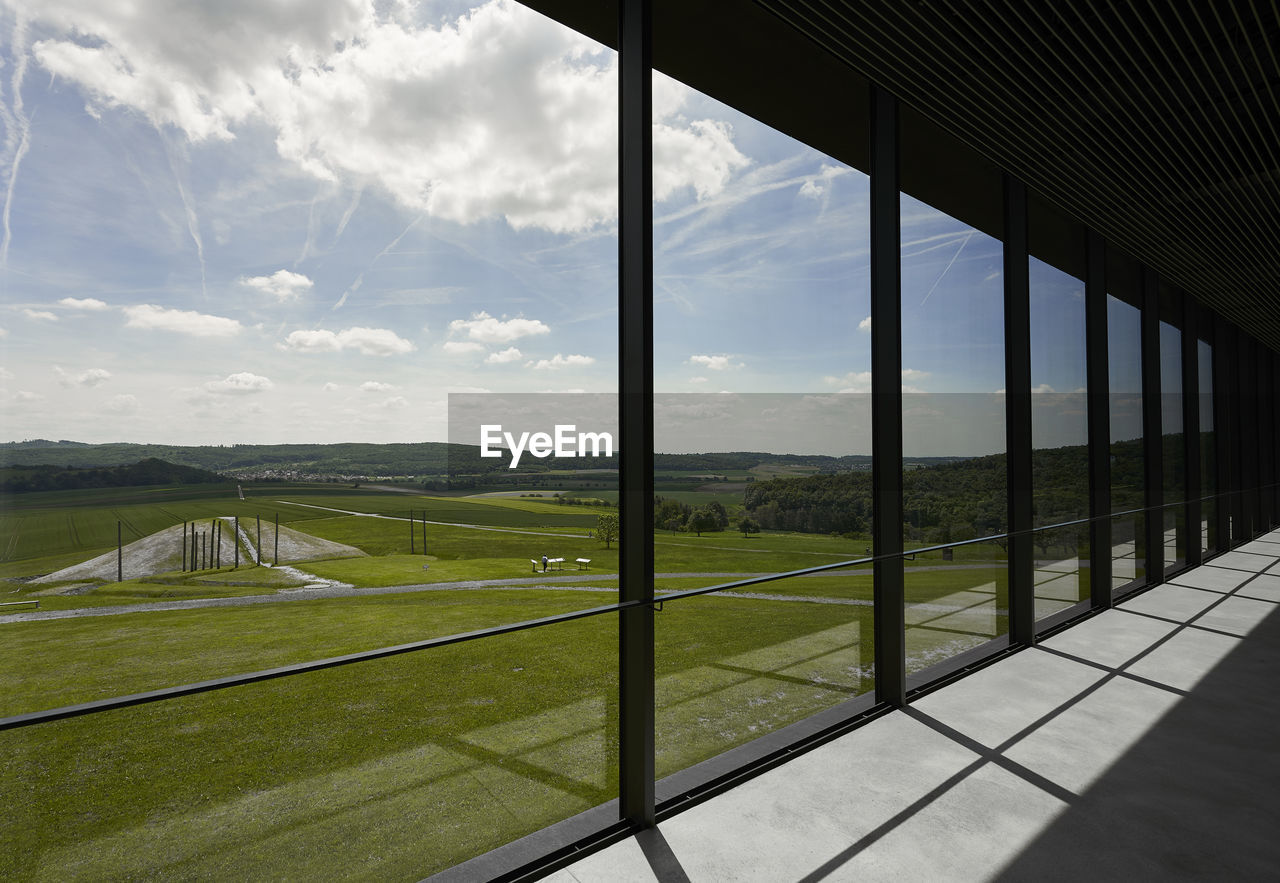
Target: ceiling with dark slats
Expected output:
[1156,123]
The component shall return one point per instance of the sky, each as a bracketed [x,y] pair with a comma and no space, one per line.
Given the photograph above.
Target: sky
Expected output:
[317,221]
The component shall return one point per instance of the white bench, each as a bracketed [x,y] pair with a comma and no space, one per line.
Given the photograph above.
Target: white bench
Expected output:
[556,563]
[535,565]
[583,562]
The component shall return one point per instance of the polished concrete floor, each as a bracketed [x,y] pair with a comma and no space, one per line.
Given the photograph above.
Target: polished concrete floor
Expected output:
[1142,744]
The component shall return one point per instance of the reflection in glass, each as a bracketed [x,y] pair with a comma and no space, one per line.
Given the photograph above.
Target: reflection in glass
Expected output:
[1059,435]
[390,769]
[1124,358]
[733,666]
[954,470]
[1208,451]
[762,358]
[1174,450]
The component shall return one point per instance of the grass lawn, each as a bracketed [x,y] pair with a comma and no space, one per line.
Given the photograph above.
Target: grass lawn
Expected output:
[393,768]
[400,767]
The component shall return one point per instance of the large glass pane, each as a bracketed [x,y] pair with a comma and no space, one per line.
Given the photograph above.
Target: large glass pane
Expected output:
[762,355]
[1208,450]
[391,769]
[272,260]
[1174,452]
[248,258]
[1059,416]
[954,469]
[1124,356]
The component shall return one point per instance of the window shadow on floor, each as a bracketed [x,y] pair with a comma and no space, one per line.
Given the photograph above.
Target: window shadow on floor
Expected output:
[1194,798]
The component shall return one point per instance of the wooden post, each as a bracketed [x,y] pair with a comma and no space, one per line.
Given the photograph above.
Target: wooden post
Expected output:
[194,545]
[235,544]
[259,518]
[119,555]
[275,558]
[412,531]
[424,531]
[217,544]
[184,547]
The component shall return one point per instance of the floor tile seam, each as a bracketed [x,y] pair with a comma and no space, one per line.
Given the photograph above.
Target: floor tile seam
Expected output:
[1101,666]
[1188,624]
[1177,585]
[994,756]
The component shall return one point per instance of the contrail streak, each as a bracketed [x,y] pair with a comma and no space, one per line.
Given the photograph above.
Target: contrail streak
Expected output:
[193,222]
[17,128]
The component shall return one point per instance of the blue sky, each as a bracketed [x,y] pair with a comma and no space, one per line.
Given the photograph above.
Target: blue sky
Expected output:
[314,228]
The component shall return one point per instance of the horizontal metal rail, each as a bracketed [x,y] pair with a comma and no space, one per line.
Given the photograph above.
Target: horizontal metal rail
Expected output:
[118,702]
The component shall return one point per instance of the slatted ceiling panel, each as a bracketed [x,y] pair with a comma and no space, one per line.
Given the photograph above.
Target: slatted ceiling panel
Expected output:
[1157,123]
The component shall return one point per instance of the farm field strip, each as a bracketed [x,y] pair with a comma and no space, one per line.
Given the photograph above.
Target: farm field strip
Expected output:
[540,533]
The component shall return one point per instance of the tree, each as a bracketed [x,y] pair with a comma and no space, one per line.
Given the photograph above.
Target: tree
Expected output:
[701,520]
[748,526]
[607,528]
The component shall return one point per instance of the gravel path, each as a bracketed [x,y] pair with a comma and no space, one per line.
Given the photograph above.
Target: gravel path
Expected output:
[318,587]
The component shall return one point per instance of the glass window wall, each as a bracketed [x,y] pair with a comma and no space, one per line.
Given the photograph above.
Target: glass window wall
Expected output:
[1173,449]
[1059,418]
[953,425]
[1124,359]
[762,355]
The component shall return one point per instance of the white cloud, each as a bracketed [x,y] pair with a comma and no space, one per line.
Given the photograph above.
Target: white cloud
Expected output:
[914,374]
[502,113]
[560,361]
[483,328]
[853,382]
[4,332]
[122,404]
[697,380]
[40,315]
[816,186]
[25,396]
[376,386]
[152,317]
[84,303]
[5,373]
[241,383]
[91,377]
[462,347]
[395,403]
[865,325]
[715,363]
[282,284]
[510,354]
[369,341]
[331,387]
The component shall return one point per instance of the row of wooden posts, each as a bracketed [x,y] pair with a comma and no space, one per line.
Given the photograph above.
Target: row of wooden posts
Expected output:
[413,532]
[202,550]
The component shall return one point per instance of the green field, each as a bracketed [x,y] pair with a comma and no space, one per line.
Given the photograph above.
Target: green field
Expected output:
[403,766]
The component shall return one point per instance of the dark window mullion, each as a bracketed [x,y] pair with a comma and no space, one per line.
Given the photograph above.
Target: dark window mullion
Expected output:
[886,400]
[1017,399]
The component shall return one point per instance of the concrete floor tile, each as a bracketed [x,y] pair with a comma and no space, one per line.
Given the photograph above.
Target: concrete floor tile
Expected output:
[1238,559]
[1265,587]
[1236,615]
[1066,749]
[1111,638]
[1183,660]
[997,702]
[1171,602]
[1208,576]
[950,838]
[786,822]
